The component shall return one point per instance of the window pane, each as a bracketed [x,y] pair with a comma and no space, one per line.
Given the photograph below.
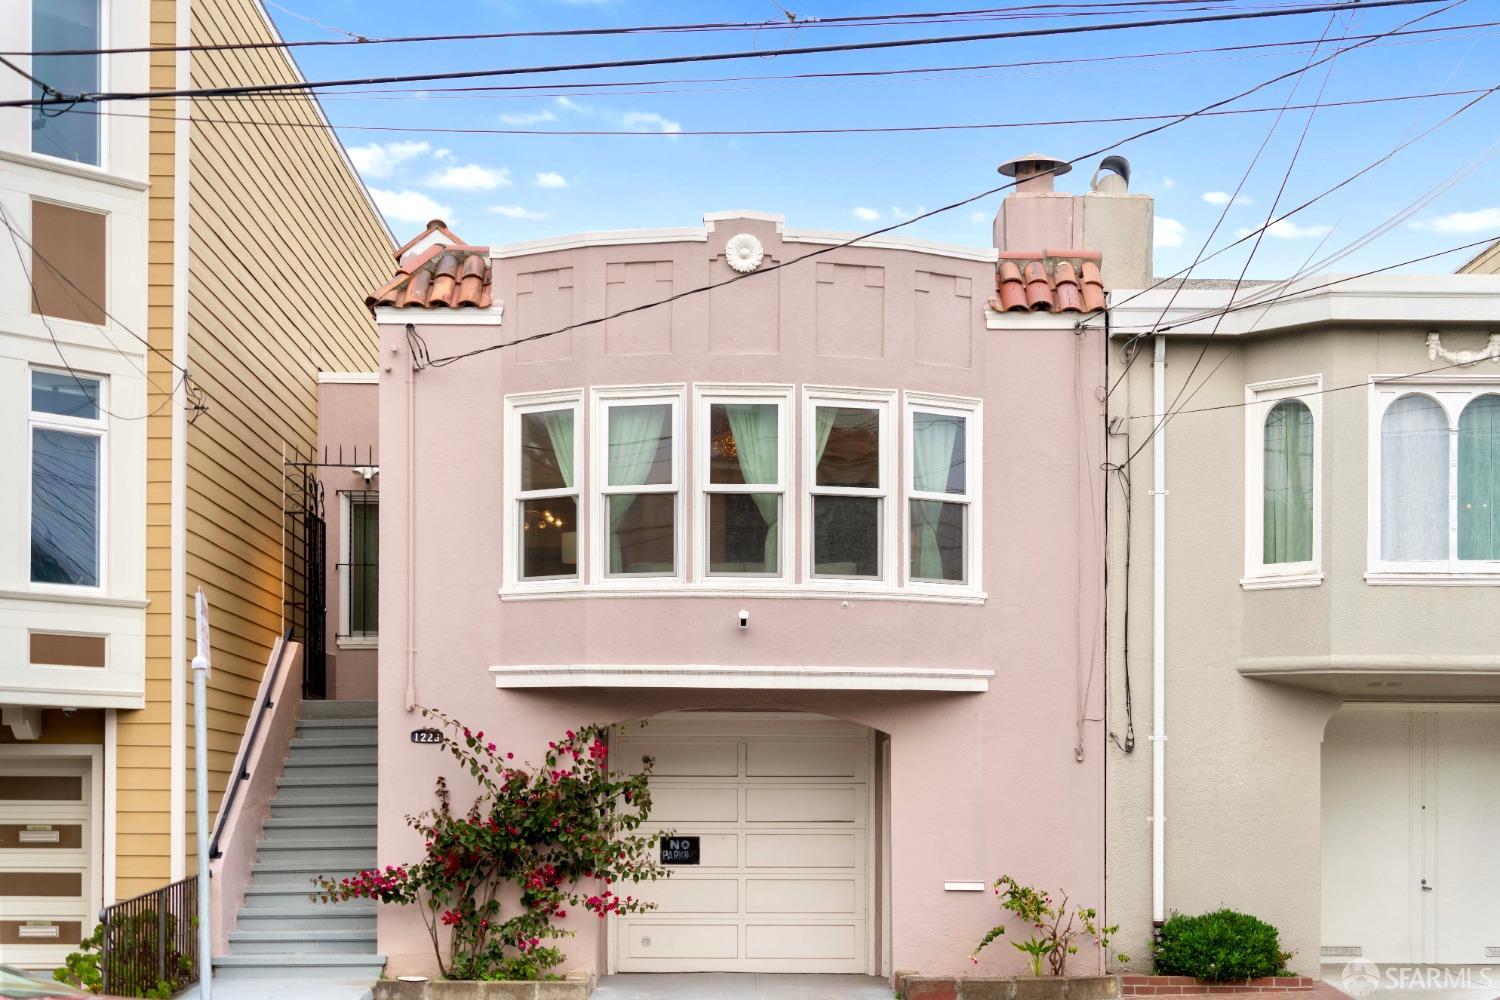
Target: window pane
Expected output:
[642,534]
[364,566]
[65,395]
[547,450]
[64,508]
[1287,504]
[549,537]
[65,24]
[743,532]
[848,446]
[640,445]
[742,443]
[846,536]
[937,541]
[67,263]
[1414,480]
[1479,479]
[938,452]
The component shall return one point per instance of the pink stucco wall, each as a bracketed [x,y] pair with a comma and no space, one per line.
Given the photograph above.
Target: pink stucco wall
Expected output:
[981,783]
[348,423]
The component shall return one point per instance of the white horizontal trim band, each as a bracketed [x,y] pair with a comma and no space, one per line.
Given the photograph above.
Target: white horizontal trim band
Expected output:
[348,378]
[698,675]
[744,591]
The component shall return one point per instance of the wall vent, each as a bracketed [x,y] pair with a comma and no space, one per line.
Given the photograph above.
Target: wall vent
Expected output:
[1343,951]
[1492,951]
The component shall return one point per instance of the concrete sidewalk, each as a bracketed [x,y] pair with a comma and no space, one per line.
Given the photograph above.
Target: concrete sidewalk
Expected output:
[740,986]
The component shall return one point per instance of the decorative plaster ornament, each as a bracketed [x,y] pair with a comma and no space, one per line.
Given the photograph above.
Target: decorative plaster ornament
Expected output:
[744,253]
[1435,350]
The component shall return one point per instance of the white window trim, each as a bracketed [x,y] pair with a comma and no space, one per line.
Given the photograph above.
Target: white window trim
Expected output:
[106,28]
[972,410]
[515,407]
[345,638]
[601,399]
[884,402]
[1260,399]
[705,396]
[1452,394]
[98,428]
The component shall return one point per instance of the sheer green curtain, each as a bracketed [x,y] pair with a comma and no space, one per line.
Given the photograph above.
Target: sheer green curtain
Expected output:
[1287,505]
[1479,479]
[635,434]
[823,428]
[754,426]
[559,424]
[933,437]
[1414,456]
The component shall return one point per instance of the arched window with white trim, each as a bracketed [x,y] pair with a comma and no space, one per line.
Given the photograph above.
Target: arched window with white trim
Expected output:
[1479,479]
[1414,481]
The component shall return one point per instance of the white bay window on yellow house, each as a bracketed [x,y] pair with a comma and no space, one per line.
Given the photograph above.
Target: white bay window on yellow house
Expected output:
[58,25]
[704,495]
[66,497]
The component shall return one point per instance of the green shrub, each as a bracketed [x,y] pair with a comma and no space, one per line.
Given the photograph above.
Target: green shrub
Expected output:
[1219,946]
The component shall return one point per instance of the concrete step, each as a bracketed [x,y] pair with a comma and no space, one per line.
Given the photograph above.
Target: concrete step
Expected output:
[301,872]
[305,965]
[284,895]
[357,838]
[326,727]
[357,823]
[319,740]
[322,791]
[340,709]
[350,757]
[359,771]
[321,858]
[310,916]
[319,941]
[350,809]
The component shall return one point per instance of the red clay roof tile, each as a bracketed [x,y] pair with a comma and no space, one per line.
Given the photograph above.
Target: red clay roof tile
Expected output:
[1054,281]
[440,277]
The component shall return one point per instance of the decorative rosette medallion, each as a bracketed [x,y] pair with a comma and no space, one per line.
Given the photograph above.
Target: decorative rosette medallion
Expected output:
[744,253]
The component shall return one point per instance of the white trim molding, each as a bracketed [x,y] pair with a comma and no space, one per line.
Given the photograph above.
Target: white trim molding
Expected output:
[994,319]
[461,316]
[516,407]
[601,400]
[1260,399]
[348,378]
[705,396]
[971,411]
[698,675]
[889,493]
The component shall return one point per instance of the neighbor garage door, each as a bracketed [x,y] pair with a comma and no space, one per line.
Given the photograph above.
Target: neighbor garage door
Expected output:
[1411,806]
[770,816]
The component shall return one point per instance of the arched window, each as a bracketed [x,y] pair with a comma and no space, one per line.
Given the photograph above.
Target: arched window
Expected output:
[1479,479]
[1414,480]
[1287,485]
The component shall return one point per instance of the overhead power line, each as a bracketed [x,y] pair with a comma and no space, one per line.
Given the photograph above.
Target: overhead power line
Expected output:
[266,88]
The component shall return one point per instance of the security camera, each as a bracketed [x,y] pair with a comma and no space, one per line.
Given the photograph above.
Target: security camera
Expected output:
[744,618]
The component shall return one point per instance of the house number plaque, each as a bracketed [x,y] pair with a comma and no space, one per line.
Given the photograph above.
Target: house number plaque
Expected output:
[679,851]
[427,736]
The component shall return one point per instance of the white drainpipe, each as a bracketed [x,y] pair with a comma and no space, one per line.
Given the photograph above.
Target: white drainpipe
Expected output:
[1158,633]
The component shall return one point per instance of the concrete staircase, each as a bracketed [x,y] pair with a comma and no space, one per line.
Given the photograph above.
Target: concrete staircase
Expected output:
[322,822]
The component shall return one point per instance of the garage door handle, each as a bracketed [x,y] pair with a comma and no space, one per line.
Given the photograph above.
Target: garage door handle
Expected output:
[1425,886]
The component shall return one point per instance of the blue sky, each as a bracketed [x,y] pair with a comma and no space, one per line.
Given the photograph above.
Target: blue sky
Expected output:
[508,188]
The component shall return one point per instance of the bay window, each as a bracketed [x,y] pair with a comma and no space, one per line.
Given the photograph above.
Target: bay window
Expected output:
[1283,479]
[848,472]
[57,130]
[741,435]
[545,482]
[1437,452]
[67,463]
[940,448]
[639,481]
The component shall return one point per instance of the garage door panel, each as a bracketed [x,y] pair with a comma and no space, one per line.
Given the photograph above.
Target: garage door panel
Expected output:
[686,760]
[806,760]
[684,894]
[804,895]
[1467,872]
[792,940]
[803,850]
[682,941]
[694,804]
[815,804]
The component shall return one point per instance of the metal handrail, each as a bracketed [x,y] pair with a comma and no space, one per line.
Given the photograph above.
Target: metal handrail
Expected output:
[263,704]
[150,940]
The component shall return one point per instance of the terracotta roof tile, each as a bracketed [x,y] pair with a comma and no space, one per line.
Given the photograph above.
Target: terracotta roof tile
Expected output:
[440,277]
[1053,281]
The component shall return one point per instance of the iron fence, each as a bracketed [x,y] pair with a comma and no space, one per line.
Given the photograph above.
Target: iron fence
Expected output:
[151,941]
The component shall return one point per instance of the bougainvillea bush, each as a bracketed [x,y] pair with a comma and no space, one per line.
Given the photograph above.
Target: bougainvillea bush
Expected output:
[1055,927]
[538,840]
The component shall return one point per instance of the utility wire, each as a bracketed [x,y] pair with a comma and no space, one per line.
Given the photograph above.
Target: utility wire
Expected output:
[304,85]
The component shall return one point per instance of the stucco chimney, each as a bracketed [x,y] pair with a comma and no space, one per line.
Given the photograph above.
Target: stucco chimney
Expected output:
[1033,216]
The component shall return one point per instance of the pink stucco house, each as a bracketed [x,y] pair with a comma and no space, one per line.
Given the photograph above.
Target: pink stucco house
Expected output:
[829,526]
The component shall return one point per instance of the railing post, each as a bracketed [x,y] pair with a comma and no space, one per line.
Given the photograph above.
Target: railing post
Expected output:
[161,938]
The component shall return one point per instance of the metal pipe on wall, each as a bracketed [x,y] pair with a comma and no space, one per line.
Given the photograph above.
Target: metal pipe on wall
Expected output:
[1158,632]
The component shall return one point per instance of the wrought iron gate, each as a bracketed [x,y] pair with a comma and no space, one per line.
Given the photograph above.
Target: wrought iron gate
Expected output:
[306,572]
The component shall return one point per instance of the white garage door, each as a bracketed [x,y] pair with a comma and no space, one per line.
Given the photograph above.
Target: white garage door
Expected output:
[776,809]
[47,887]
[1411,804]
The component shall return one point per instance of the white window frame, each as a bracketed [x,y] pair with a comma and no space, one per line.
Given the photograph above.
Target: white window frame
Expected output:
[705,396]
[106,27]
[602,399]
[1260,399]
[884,402]
[97,428]
[515,407]
[1452,395]
[346,638]
[972,410]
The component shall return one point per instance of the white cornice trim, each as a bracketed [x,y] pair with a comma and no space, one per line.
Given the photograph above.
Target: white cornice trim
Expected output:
[829,236]
[66,597]
[461,316]
[995,320]
[744,213]
[697,675]
[46,696]
[50,164]
[348,378]
[619,237]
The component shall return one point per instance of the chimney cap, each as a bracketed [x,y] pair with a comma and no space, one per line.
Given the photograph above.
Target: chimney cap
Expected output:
[1033,163]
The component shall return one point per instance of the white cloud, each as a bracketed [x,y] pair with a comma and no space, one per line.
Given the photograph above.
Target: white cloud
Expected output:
[897,212]
[1168,232]
[568,104]
[979,217]
[516,212]
[648,121]
[1461,222]
[410,206]
[551,179]
[1223,198]
[529,117]
[470,177]
[864,214]
[380,159]
[1168,183]
[1285,230]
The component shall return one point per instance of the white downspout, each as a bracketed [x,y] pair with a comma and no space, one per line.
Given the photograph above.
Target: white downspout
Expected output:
[411,533]
[181,140]
[1158,633]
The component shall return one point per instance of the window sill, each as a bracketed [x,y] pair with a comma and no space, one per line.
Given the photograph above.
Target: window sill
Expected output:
[1433,578]
[697,675]
[54,164]
[1287,581]
[73,595]
[358,642]
[747,591]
